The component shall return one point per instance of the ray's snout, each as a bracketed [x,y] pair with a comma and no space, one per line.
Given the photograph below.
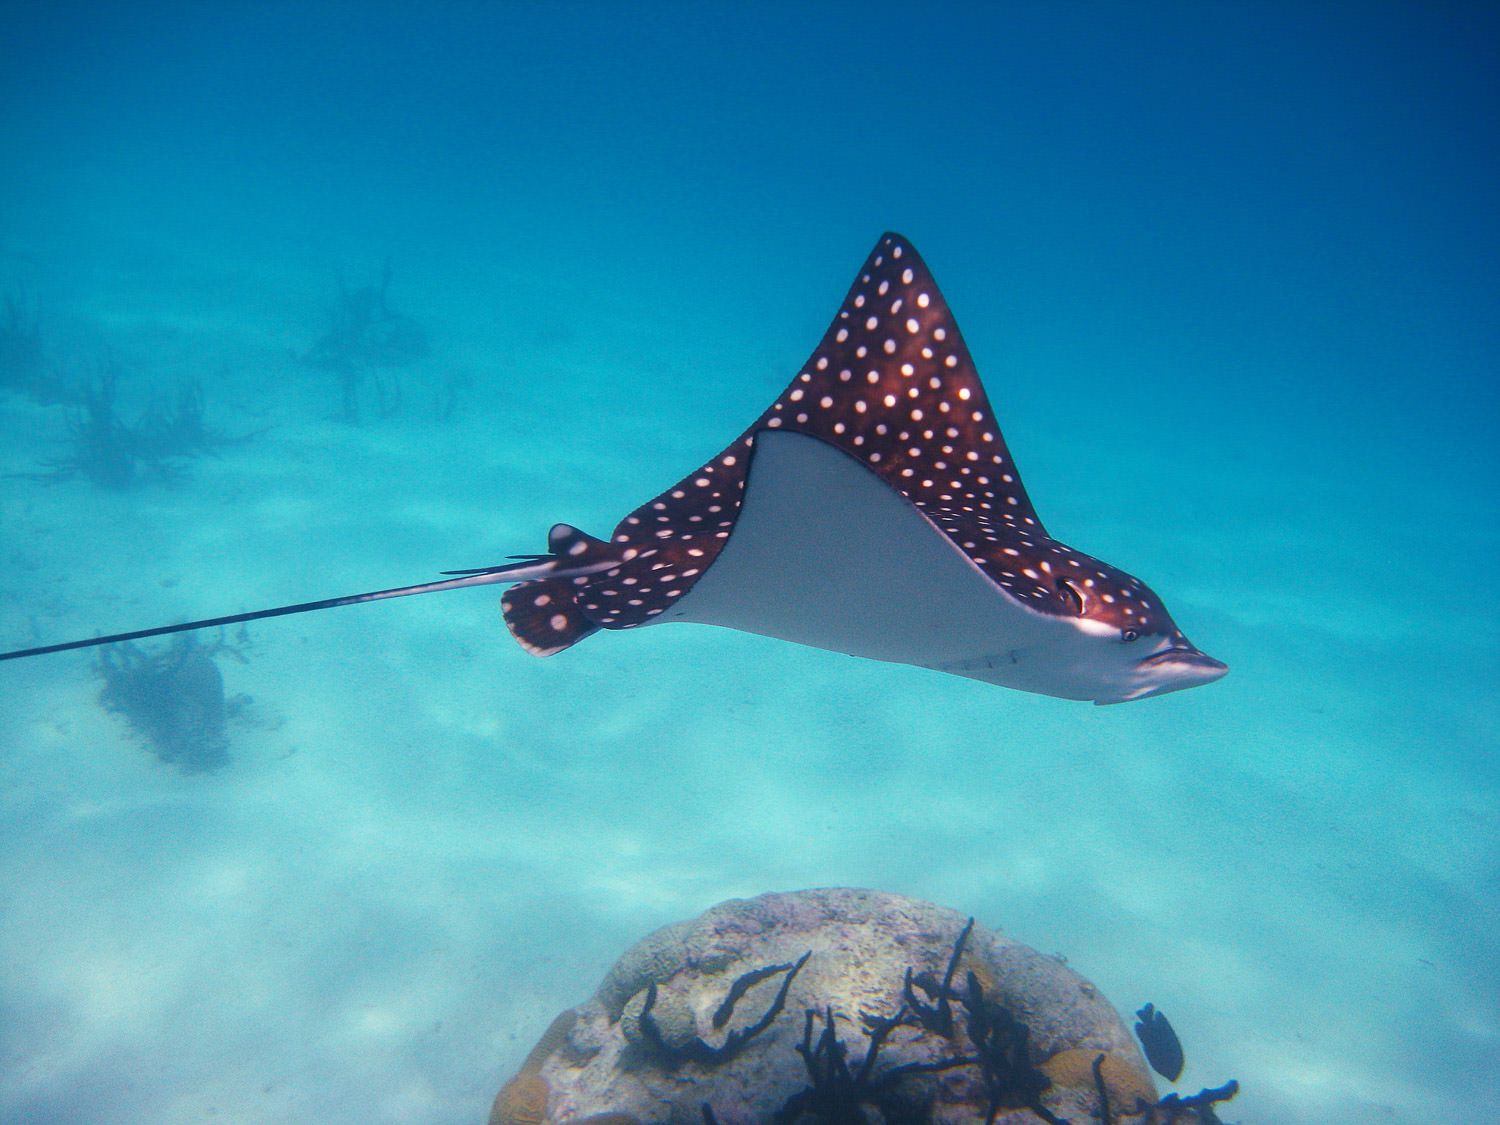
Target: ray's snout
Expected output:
[1174,668]
[1178,667]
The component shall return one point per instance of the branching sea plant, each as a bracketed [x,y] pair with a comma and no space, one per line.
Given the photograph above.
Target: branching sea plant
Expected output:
[115,455]
[698,1050]
[365,339]
[172,697]
[103,449]
[180,430]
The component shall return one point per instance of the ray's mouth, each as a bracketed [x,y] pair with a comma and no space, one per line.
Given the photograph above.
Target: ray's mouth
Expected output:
[1171,669]
[1185,655]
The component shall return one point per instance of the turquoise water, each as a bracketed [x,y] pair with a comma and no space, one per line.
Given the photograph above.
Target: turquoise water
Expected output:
[1229,273]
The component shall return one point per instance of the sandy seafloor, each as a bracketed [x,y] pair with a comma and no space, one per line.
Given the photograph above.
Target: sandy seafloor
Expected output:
[1229,275]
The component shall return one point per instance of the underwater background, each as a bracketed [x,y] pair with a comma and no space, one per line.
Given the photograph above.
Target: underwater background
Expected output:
[304,300]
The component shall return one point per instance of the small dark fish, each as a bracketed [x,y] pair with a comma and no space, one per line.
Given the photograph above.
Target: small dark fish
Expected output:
[1163,1048]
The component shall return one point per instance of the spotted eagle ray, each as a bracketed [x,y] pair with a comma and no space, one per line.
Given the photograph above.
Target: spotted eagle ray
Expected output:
[873,509]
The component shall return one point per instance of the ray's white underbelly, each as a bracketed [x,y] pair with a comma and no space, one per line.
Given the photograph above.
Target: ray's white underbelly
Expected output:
[824,553]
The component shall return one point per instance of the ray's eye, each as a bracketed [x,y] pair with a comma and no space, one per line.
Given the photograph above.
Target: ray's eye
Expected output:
[1129,635]
[1067,592]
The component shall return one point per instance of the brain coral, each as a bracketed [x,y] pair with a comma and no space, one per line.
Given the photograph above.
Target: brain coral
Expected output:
[837,1005]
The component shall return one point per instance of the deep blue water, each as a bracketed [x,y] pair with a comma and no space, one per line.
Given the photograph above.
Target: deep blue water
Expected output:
[1230,273]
